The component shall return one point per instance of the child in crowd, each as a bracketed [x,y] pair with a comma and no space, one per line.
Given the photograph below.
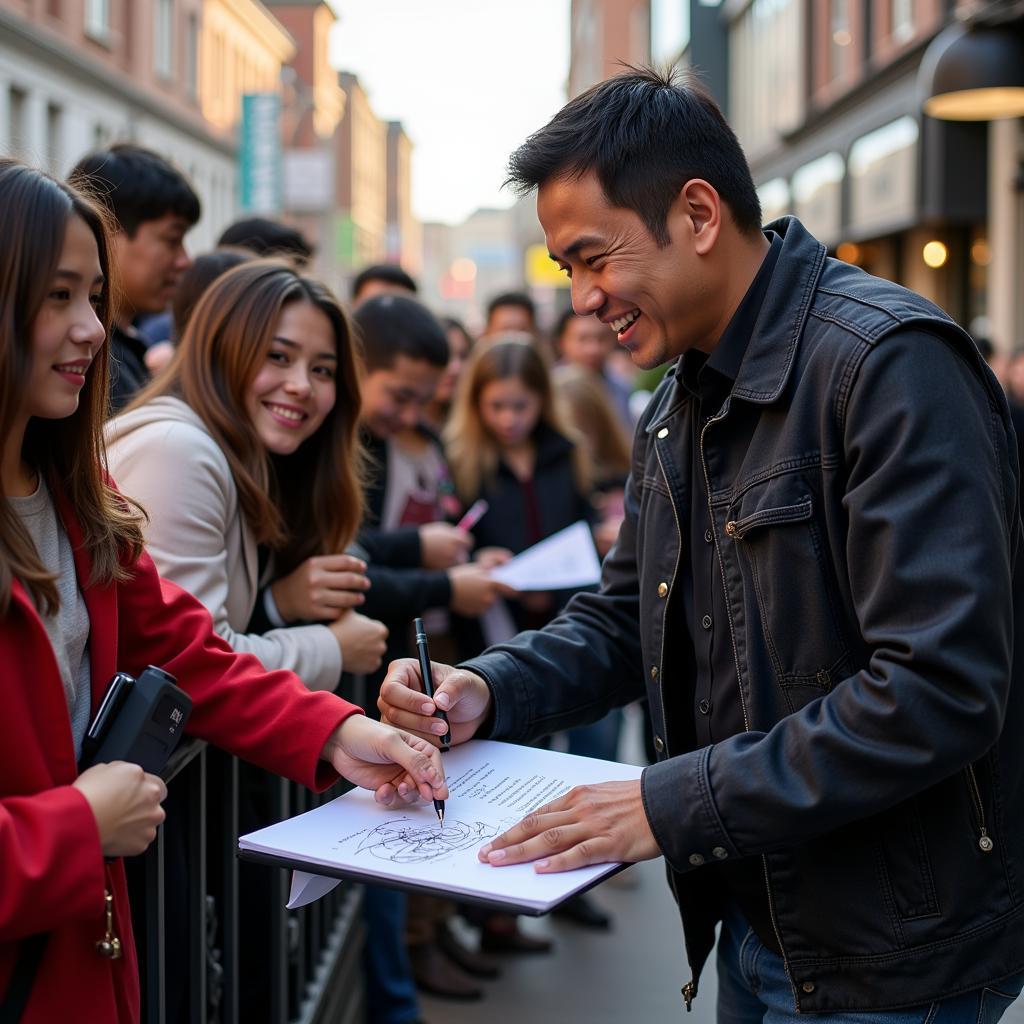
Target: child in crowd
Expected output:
[508,442]
[79,600]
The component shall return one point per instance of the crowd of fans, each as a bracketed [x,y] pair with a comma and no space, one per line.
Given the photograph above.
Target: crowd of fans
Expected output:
[303,464]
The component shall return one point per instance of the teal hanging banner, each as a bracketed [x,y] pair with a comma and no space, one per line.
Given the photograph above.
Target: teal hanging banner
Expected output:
[259,159]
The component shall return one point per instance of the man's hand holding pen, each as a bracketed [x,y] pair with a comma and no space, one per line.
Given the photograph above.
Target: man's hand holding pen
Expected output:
[463,696]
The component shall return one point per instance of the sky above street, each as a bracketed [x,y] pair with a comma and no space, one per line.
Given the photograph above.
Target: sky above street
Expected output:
[469,80]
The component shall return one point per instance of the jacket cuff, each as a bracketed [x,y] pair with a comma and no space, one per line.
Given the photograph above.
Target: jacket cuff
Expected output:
[510,696]
[681,811]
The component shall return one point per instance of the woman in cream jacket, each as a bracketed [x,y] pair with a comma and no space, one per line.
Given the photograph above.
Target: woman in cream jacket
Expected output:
[249,438]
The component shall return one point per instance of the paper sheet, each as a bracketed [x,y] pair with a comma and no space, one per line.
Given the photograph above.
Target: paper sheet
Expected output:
[564,560]
[493,785]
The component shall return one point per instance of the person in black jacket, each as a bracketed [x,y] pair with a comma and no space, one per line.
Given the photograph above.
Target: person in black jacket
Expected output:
[818,582]
[154,207]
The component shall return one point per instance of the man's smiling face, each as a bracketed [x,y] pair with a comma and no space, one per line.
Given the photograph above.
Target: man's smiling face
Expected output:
[654,296]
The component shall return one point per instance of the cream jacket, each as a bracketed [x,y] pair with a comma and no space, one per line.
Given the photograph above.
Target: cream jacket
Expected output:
[163,456]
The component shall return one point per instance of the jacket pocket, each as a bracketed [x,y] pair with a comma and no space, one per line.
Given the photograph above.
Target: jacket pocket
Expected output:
[779,542]
[910,880]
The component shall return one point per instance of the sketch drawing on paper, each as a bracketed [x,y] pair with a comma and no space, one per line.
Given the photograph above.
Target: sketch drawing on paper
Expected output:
[405,841]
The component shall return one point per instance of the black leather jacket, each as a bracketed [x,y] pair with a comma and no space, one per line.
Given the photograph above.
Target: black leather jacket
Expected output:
[863,482]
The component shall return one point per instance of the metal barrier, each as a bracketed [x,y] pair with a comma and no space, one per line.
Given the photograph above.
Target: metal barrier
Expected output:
[186,910]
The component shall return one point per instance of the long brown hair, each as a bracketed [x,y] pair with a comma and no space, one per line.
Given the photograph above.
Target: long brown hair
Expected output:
[596,420]
[472,452]
[223,346]
[67,453]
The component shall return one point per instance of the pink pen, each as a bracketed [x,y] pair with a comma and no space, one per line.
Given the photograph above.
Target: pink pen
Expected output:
[473,515]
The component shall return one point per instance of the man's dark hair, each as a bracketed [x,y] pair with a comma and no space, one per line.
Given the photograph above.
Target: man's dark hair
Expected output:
[389,273]
[520,299]
[267,238]
[395,325]
[136,185]
[644,133]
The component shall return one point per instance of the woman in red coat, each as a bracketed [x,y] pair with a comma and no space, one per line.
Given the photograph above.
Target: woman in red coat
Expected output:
[79,600]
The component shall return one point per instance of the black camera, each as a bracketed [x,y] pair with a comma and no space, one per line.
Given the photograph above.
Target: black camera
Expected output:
[139,720]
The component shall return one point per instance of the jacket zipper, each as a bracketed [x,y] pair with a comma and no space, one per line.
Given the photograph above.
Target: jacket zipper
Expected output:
[675,572]
[721,414]
[689,990]
[985,843]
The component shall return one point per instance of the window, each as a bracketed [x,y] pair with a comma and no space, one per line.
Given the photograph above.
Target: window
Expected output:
[840,39]
[163,42]
[902,20]
[192,55]
[54,123]
[97,19]
[17,112]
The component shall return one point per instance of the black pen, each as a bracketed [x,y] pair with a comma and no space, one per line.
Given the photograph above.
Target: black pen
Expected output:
[428,688]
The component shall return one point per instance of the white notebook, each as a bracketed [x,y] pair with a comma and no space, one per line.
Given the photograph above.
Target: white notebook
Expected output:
[493,785]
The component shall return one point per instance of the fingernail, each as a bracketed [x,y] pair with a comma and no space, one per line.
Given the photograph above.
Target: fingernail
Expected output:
[440,728]
[542,864]
[442,700]
[496,855]
[484,851]
[427,708]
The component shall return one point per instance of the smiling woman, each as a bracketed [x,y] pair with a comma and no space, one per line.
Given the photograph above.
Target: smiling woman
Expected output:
[80,599]
[248,439]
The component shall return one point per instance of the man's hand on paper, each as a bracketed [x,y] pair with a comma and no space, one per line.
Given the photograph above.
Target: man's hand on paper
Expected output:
[597,824]
[399,768]
[464,696]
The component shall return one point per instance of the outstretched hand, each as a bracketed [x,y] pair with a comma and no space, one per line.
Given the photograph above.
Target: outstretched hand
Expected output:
[599,824]
[399,768]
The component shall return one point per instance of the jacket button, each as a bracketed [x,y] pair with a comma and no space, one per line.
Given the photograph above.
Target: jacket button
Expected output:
[822,677]
[730,528]
[808,987]
[706,622]
[654,671]
[720,852]
[709,536]
[704,706]
[659,744]
[696,859]
[663,433]
[662,589]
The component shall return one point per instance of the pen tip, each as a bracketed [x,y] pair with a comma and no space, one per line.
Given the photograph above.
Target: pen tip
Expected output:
[440,814]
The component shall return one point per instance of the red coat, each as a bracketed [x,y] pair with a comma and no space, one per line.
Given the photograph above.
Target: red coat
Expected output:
[52,871]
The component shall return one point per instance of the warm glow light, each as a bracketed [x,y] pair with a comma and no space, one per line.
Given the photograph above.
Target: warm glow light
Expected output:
[977,104]
[463,269]
[848,252]
[935,254]
[981,254]
[841,37]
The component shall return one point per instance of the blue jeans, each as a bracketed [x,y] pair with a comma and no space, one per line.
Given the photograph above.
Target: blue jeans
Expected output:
[390,990]
[753,988]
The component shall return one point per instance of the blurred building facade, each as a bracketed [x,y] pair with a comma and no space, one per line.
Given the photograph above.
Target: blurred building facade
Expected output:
[604,34]
[177,75]
[824,97]
[75,76]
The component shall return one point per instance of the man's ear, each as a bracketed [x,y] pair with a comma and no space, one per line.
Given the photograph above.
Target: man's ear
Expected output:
[701,205]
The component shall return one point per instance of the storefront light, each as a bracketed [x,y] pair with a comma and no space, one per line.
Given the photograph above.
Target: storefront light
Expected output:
[935,254]
[974,73]
[848,252]
[981,254]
